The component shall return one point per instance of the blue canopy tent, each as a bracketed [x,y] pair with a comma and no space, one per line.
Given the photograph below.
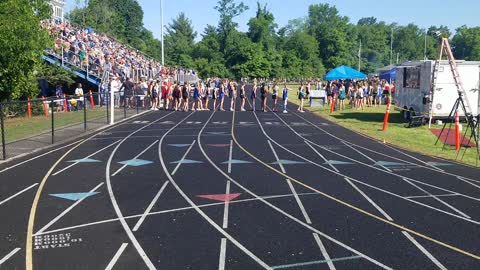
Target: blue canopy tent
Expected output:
[344,73]
[389,75]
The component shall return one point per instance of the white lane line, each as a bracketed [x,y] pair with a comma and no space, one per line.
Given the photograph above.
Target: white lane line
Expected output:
[276,157]
[183,157]
[279,210]
[89,156]
[409,237]
[197,209]
[4,259]
[171,211]
[466,180]
[363,183]
[225,208]
[230,157]
[290,185]
[385,155]
[66,211]
[429,196]
[116,256]
[367,157]
[412,157]
[18,193]
[149,208]
[320,155]
[299,202]
[424,251]
[137,156]
[437,199]
[223,252]
[39,156]
[113,200]
[324,252]
[387,172]
[379,209]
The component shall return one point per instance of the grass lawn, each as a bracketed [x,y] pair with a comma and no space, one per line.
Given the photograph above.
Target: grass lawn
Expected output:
[369,122]
[22,127]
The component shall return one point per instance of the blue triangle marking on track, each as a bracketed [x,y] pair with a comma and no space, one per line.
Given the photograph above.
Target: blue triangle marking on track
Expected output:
[432,163]
[136,162]
[84,160]
[74,196]
[237,161]
[179,144]
[187,161]
[287,162]
[388,163]
[338,162]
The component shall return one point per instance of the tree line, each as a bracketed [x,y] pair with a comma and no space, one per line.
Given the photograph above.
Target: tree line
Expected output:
[306,47]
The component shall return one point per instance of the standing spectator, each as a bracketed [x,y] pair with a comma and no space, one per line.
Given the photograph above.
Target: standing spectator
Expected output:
[59,95]
[127,90]
[79,94]
[115,88]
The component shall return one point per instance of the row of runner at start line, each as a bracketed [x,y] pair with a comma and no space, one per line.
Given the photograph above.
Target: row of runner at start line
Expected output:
[185,97]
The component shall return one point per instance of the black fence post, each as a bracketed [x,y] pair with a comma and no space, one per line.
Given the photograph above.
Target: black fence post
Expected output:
[4,148]
[84,113]
[52,103]
[136,102]
[125,99]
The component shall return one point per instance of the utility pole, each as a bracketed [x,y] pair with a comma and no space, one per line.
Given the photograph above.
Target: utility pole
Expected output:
[391,46]
[425,48]
[161,32]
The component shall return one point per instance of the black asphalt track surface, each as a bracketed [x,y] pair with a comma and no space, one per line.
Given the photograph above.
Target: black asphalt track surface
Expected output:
[303,193]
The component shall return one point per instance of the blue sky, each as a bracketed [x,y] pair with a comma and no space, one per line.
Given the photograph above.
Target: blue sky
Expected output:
[452,13]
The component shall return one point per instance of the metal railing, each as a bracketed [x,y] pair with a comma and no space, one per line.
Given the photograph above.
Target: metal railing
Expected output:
[28,125]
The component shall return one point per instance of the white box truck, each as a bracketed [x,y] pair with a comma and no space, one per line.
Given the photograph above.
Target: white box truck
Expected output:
[412,87]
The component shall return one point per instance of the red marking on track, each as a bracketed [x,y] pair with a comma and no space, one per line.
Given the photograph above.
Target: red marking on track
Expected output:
[218,145]
[451,137]
[220,197]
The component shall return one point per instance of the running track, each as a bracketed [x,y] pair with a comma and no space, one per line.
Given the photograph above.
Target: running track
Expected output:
[243,190]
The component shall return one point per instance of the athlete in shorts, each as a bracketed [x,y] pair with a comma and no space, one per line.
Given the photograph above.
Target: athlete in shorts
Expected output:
[274,96]
[253,96]
[221,92]
[242,96]
[285,98]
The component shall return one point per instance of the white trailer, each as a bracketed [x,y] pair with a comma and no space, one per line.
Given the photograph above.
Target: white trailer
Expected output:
[413,87]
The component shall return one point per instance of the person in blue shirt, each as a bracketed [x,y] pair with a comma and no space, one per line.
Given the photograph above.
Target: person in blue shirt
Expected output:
[285,98]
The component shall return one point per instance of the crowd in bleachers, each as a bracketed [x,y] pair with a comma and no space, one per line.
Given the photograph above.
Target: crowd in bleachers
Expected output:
[96,52]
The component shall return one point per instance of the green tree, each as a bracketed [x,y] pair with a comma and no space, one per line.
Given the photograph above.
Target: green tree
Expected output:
[179,41]
[332,32]
[22,41]
[408,41]
[375,37]
[466,43]
[228,10]
[262,27]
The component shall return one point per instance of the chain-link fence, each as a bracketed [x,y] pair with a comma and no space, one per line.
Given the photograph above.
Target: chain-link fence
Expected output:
[32,124]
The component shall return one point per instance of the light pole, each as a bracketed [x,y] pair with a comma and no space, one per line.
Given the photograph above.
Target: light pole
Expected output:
[425,47]
[161,32]
[391,47]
